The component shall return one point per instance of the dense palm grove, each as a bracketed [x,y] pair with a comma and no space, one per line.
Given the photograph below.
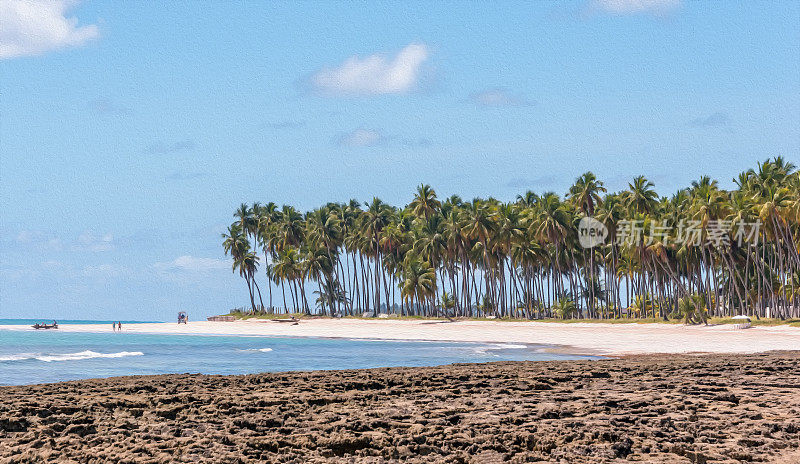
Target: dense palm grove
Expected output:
[702,252]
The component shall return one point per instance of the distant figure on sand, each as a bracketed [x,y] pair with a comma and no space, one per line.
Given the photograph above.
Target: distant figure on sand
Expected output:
[114,326]
[119,326]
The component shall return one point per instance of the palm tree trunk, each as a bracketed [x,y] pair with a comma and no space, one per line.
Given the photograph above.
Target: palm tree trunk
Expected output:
[259,292]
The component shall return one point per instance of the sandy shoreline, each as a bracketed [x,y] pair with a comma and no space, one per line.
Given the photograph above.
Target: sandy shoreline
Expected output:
[589,338]
[656,408]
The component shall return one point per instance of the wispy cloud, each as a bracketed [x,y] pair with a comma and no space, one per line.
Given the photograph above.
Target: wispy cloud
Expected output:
[109,107]
[500,97]
[33,27]
[102,271]
[364,137]
[375,74]
[30,270]
[96,243]
[174,147]
[361,138]
[717,119]
[625,7]
[35,241]
[38,241]
[53,269]
[189,263]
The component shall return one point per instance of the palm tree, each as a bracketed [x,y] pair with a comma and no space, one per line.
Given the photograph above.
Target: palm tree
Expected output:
[640,197]
[565,309]
[585,193]
[235,244]
[248,264]
[425,203]
[523,258]
[480,225]
[324,233]
[289,268]
[448,303]
[693,310]
[419,280]
[375,218]
[269,269]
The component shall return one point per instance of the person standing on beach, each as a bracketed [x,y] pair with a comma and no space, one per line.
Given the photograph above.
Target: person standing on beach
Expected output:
[119,326]
[114,326]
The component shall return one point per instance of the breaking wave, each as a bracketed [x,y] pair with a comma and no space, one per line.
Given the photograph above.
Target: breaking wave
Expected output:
[490,348]
[507,346]
[262,350]
[68,356]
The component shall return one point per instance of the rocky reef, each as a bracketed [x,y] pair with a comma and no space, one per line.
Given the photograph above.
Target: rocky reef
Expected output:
[655,409]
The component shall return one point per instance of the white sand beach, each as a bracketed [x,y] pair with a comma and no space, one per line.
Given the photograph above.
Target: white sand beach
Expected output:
[590,338]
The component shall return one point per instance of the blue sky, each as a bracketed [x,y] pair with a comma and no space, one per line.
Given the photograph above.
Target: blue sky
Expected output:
[130,131]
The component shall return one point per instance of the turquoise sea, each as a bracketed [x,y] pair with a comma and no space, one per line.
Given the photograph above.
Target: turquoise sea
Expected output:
[29,356]
[61,321]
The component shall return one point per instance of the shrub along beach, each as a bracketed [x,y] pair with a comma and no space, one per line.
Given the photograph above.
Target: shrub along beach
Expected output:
[702,252]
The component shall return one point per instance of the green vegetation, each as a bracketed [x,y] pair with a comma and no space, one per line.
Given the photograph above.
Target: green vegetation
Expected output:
[702,255]
[692,309]
[623,320]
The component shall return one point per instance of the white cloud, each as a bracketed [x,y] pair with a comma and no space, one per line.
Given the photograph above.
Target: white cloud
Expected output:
[192,264]
[102,271]
[621,7]
[361,138]
[59,271]
[17,272]
[38,241]
[500,97]
[91,242]
[375,74]
[45,243]
[26,236]
[33,27]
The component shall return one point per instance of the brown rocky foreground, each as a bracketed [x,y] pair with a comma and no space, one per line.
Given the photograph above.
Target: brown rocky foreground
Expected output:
[715,408]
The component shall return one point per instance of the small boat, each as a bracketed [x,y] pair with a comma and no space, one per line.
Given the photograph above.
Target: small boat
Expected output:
[38,326]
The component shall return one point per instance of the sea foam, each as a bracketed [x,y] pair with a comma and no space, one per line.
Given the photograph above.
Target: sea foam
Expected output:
[507,346]
[490,348]
[68,356]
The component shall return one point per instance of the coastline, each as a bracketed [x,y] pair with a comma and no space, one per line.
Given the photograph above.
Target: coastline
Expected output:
[647,408]
[575,337]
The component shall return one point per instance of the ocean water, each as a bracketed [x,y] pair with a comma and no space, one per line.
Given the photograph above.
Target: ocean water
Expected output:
[62,321]
[31,356]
